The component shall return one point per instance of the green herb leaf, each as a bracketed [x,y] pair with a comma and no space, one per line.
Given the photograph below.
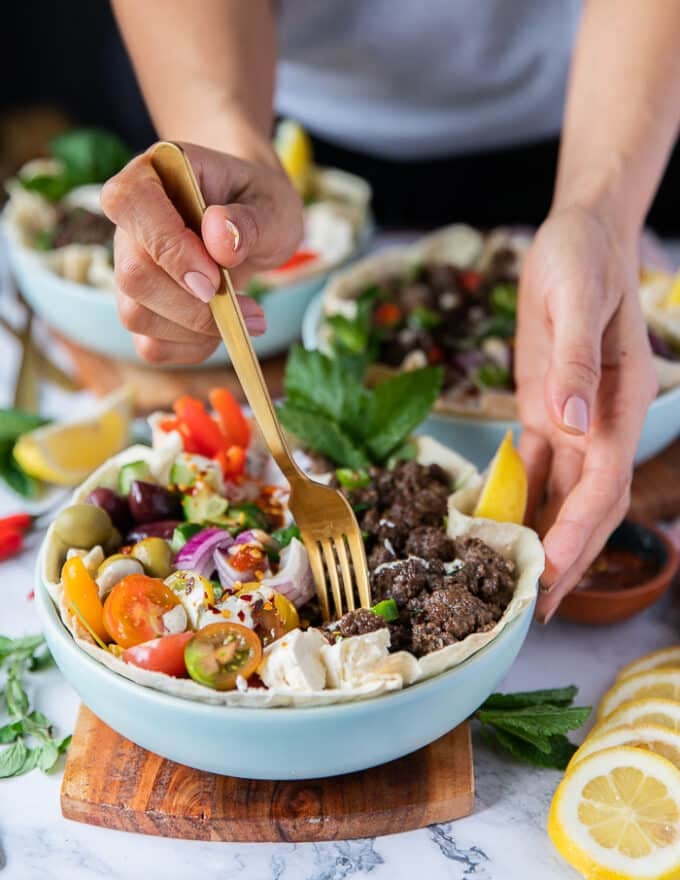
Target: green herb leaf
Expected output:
[396,407]
[48,755]
[52,187]
[522,699]
[318,432]
[13,475]
[12,759]
[320,384]
[284,536]
[10,732]
[540,721]
[491,375]
[65,743]
[15,422]
[557,758]
[90,155]
[20,648]
[15,695]
[256,289]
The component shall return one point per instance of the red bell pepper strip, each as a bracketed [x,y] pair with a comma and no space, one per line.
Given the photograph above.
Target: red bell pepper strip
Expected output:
[200,431]
[233,424]
[299,258]
[232,461]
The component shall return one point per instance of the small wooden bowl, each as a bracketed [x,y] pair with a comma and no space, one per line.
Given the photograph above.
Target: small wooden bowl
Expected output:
[597,607]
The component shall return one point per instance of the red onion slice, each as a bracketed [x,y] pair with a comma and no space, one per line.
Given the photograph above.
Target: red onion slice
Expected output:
[197,555]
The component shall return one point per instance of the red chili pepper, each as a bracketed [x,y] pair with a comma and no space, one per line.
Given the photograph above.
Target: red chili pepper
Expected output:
[10,544]
[388,315]
[233,424]
[198,428]
[299,258]
[471,280]
[21,522]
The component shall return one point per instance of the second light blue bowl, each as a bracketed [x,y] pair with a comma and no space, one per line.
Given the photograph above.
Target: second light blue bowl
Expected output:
[478,439]
[300,743]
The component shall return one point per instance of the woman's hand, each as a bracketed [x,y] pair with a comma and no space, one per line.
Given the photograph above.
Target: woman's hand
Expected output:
[585,378]
[165,273]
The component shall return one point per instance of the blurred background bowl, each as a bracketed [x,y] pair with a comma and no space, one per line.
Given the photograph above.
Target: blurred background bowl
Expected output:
[89,315]
[477,439]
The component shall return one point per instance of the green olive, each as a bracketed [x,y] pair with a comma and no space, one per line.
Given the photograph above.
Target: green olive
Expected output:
[83,525]
[155,555]
[114,543]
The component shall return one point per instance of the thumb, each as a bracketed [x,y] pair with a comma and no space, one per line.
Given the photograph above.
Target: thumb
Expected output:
[574,375]
[232,233]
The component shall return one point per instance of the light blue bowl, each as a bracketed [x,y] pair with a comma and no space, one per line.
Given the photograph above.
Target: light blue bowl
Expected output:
[89,316]
[478,439]
[301,743]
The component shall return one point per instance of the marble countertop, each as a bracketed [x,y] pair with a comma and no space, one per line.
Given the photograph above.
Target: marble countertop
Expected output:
[504,838]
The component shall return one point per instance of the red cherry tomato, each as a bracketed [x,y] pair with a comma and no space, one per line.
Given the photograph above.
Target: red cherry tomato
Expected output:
[200,431]
[134,609]
[165,654]
[234,425]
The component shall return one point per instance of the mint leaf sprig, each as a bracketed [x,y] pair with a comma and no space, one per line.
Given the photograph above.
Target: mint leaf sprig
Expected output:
[533,725]
[27,734]
[329,410]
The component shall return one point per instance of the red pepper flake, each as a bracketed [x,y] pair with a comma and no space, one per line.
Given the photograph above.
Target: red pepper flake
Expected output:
[30,596]
[471,280]
[388,315]
[435,355]
[246,597]
[241,616]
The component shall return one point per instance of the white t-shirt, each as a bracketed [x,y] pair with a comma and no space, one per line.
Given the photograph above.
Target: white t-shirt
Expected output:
[425,78]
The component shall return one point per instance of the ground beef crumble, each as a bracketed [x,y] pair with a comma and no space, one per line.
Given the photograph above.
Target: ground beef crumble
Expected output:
[445,589]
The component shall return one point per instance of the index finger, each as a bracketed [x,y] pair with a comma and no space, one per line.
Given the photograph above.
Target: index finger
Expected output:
[135,200]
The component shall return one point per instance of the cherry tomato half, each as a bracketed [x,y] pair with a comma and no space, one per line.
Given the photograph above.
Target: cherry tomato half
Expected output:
[134,609]
[233,424]
[165,654]
[221,652]
[82,595]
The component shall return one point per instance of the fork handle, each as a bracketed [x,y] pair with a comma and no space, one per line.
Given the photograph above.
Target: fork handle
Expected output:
[171,164]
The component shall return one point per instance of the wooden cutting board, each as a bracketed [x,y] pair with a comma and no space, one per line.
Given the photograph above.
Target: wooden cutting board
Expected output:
[157,388]
[110,781]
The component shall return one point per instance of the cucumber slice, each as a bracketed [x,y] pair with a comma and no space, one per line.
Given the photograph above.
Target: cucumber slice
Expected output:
[182,534]
[203,506]
[135,470]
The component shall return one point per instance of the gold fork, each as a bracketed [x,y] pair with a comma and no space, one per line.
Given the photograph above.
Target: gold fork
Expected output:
[327,523]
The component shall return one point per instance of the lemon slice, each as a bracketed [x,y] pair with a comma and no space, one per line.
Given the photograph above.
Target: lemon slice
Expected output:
[294,149]
[664,683]
[504,494]
[659,740]
[663,659]
[673,296]
[65,453]
[664,713]
[616,816]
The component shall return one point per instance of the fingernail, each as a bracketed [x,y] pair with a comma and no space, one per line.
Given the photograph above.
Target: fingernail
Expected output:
[200,285]
[256,326]
[575,415]
[232,229]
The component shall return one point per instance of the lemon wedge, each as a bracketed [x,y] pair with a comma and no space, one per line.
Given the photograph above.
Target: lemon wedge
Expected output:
[664,683]
[65,453]
[673,296]
[659,740]
[294,149]
[616,816]
[504,494]
[656,711]
[662,659]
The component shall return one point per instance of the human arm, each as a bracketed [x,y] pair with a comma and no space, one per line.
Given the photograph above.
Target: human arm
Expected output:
[584,370]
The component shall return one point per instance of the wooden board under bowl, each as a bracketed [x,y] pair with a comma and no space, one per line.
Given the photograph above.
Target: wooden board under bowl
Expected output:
[110,781]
